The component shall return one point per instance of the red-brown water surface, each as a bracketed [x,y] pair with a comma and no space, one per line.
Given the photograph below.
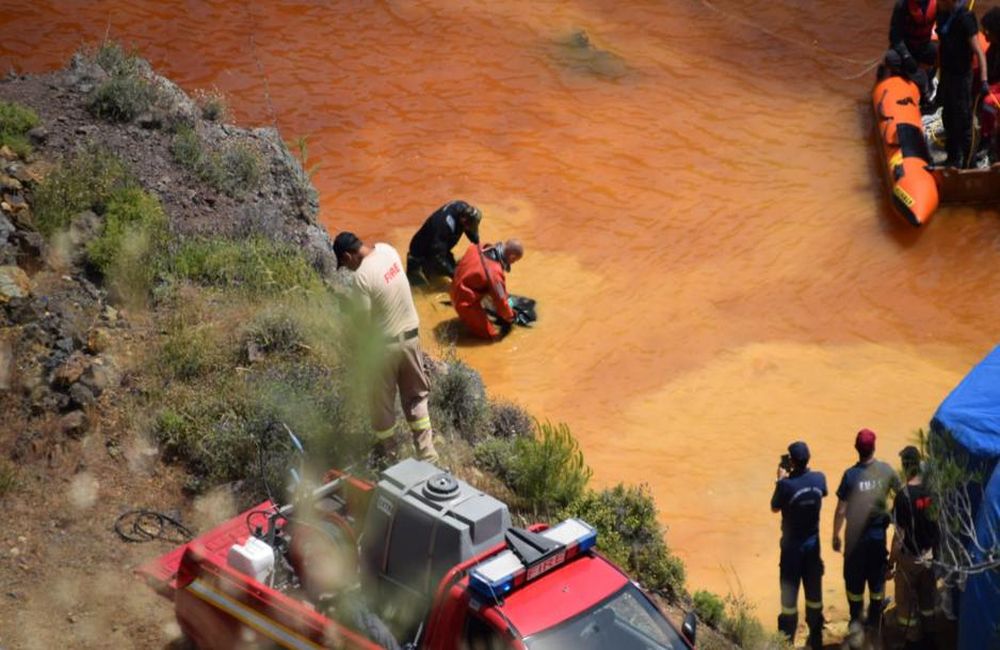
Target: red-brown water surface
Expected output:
[707,235]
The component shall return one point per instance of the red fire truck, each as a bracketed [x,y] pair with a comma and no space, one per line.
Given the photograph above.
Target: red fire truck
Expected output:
[418,560]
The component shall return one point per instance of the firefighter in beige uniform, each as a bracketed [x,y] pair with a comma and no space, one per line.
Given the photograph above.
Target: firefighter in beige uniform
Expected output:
[384,292]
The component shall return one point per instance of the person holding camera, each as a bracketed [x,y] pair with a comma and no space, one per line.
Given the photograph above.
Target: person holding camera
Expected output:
[798,496]
[862,499]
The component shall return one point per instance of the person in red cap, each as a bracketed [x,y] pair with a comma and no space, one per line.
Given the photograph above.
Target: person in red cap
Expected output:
[862,501]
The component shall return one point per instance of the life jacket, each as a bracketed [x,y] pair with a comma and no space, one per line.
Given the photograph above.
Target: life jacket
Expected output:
[921,23]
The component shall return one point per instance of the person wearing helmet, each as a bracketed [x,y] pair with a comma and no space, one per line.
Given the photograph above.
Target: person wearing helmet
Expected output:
[798,496]
[430,254]
[481,278]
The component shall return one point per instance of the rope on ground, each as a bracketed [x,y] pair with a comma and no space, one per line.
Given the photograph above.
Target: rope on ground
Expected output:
[141,525]
[810,47]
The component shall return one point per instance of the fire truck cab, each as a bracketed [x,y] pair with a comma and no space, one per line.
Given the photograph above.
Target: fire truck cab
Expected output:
[418,560]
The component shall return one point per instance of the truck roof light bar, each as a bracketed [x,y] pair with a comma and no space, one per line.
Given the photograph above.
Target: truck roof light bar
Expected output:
[508,570]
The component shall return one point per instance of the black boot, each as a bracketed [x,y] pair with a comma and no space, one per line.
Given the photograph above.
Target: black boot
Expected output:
[787,624]
[814,618]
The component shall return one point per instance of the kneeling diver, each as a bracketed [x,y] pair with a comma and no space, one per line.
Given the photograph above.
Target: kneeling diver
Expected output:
[480,277]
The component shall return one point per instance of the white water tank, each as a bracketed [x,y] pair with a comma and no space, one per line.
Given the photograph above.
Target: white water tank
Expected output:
[253,558]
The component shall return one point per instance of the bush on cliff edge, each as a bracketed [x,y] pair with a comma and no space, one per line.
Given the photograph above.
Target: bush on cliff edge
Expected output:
[84,181]
[630,535]
[126,93]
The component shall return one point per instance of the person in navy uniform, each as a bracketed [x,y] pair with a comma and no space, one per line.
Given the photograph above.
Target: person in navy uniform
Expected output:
[430,253]
[798,496]
[862,501]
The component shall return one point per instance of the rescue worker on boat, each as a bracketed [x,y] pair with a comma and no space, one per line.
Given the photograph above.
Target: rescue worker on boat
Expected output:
[480,277]
[910,43]
[798,496]
[430,254]
[958,35]
[990,106]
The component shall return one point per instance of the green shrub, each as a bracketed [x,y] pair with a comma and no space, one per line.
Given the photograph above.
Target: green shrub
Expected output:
[255,265]
[121,98]
[710,608]
[131,217]
[213,435]
[175,431]
[300,146]
[549,470]
[630,535]
[241,169]
[497,456]
[508,420]
[86,181]
[742,627]
[458,401]
[189,352]
[233,429]
[15,122]
[212,104]
[235,170]
[315,405]
[115,59]
[187,148]
[275,333]
[126,93]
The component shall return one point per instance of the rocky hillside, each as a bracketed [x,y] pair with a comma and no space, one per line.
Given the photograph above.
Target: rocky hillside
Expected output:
[99,145]
[168,307]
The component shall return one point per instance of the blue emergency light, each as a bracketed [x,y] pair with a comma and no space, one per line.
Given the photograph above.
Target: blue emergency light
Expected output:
[502,573]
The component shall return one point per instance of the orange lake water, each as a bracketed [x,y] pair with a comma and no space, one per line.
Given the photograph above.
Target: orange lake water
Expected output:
[707,234]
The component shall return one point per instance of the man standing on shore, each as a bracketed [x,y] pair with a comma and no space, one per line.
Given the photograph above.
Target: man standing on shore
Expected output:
[384,295]
[862,498]
[798,496]
[913,544]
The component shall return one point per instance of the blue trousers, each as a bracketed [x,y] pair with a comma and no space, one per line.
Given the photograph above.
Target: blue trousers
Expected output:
[866,563]
[801,564]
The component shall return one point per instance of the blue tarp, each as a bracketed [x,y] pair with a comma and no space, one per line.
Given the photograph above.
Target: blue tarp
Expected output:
[971,413]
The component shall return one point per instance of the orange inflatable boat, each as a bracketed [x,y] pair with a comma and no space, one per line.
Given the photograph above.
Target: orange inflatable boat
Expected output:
[916,186]
[901,132]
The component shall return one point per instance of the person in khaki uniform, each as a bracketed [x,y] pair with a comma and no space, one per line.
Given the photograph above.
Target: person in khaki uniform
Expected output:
[384,293]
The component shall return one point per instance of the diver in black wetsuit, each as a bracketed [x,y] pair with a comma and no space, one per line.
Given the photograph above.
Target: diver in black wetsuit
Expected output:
[430,254]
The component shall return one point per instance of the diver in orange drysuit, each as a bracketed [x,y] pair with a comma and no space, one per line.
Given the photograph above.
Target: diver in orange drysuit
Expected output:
[480,275]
